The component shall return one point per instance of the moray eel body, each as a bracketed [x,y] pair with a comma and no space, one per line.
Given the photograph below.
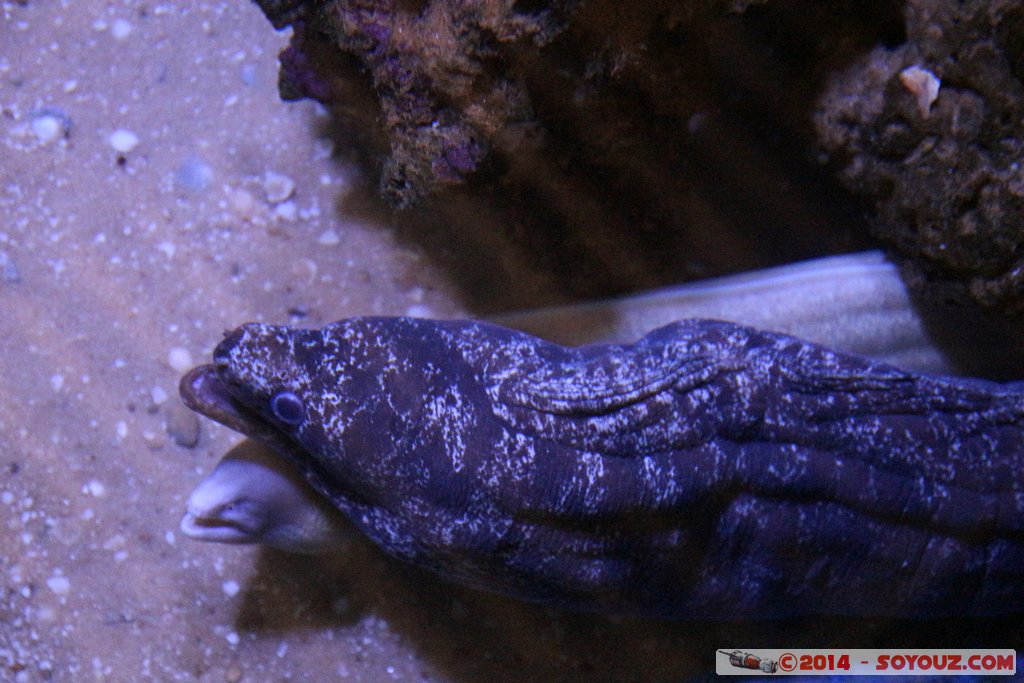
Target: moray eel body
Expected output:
[855,303]
[708,471]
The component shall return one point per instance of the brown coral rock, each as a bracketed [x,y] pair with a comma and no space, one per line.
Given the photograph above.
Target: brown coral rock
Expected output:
[947,181]
[598,146]
[433,66]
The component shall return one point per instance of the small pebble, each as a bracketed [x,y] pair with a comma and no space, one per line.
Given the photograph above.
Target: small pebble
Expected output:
[286,210]
[96,489]
[230,588]
[154,440]
[194,174]
[303,271]
[249,74]
[59,584]
[182,425]
[49,125]
[277,187]
[242,203]
[232,638]
[167,248]
[329,238]
[158,395]
[120,29]
[8,272]
[179,359]
[123,141]
[56,382]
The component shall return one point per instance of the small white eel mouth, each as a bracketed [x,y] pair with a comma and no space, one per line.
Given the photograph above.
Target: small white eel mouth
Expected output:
[218,514]
[255,495]
[214,530]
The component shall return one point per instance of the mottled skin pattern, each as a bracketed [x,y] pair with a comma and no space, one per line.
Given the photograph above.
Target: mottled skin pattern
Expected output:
[707,471]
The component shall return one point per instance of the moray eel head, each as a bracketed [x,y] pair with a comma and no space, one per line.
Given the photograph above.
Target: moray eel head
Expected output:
[256,494]
[258,383]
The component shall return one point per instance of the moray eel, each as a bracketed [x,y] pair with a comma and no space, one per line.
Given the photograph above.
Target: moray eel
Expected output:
[709,470]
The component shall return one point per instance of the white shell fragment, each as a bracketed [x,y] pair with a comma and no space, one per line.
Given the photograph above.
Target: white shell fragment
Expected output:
[123,141]
[329,238]
[50,125]
[277,187]
[60,585]
[158,395]
[923,85]
[120,29]
[95,488]
[179,359]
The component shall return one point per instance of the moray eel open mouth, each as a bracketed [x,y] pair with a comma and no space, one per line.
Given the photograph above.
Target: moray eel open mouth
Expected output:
[225,392]
[203,390]
[254,495]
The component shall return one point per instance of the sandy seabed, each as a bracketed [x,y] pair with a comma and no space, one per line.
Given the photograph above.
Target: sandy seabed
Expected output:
[154,192]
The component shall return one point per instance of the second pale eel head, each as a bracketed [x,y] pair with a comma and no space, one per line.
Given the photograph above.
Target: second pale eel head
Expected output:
[255,496]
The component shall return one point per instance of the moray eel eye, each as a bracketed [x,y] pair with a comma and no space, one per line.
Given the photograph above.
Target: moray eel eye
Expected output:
[288,408]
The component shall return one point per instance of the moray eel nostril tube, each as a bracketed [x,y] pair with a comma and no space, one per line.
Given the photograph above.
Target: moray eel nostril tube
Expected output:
[708,470]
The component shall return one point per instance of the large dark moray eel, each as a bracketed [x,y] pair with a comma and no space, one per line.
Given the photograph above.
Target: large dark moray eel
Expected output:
[709,470]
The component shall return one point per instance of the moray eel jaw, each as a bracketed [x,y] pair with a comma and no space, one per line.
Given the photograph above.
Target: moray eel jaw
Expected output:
[254,495]
[203,391]
[210,391]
